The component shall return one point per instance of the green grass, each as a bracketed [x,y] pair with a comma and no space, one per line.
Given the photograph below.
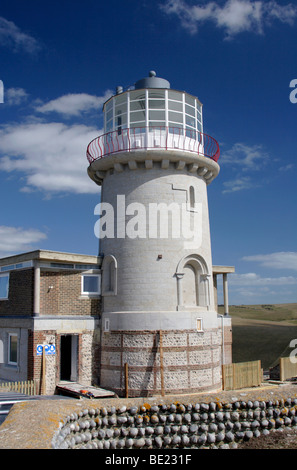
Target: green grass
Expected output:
[262,332]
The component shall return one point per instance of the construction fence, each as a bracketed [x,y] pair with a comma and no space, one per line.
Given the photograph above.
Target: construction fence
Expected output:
[242,375]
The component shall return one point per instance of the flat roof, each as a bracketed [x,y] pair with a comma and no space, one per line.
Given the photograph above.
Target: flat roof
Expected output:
[47,255]
[223,269]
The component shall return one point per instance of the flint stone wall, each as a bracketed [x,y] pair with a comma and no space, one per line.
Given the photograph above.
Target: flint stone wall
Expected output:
[175,425]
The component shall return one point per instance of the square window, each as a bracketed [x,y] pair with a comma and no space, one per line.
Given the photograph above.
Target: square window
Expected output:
[90,284]
[4,286]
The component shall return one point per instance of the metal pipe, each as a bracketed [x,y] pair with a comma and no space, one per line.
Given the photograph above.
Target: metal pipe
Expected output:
[223,339]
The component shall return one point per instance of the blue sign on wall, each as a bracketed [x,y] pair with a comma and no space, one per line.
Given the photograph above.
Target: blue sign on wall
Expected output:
[50,349]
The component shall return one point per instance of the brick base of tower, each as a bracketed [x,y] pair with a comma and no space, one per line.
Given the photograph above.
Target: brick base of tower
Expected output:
[166,362]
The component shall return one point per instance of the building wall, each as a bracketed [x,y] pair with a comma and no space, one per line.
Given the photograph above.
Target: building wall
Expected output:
[87,358]
[63,311]
[21,291]
[146,282]
[191,361]
[60,294]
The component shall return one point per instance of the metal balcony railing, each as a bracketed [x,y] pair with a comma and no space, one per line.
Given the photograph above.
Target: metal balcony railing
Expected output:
[149,138]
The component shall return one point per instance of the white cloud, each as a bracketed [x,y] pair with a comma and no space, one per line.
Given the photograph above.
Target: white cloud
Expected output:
[51,156]
[287,167]
[245,158]
[278,260]
[15,96]
[237,184]
[11,36]
[74,104]
[253,279]
[234,17]
[249,157]
[16,239]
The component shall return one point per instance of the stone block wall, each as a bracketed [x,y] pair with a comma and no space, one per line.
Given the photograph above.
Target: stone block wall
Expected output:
[191,361]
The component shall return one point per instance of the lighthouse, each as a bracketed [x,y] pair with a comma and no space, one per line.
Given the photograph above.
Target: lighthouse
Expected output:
[161,333]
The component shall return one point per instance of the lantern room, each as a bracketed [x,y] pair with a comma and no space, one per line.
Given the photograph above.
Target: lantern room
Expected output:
[152,104]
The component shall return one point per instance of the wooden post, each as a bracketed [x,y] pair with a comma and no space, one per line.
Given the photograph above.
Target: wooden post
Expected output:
[43,371]
[161,363]
[126,381]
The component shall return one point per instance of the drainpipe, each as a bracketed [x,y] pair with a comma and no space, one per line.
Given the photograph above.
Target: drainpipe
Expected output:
[223,339]
[36,306]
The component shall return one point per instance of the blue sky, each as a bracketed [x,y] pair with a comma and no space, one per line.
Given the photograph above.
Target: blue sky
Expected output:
[60,60]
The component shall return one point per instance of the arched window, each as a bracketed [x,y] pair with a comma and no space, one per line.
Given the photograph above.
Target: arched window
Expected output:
[109,275]
[192,283]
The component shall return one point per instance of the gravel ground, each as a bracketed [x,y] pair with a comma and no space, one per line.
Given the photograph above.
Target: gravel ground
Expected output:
[281,439]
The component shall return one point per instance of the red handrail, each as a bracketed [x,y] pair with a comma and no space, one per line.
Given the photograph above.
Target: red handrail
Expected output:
[126,140]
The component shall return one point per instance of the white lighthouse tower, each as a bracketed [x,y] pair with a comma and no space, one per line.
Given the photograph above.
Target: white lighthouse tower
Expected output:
[159,318]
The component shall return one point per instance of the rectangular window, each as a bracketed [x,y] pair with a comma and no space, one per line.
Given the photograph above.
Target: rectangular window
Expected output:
[199,324]
[12,349]
[90,284]
[4,286]
[106,324]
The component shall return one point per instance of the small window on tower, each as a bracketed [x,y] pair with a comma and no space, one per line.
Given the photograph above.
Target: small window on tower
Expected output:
[199,324]
[109,275]
[192,197]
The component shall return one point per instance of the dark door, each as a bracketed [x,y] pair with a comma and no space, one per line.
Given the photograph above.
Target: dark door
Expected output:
[65,364]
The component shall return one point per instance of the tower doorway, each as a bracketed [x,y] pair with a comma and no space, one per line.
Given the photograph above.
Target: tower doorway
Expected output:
[68,357]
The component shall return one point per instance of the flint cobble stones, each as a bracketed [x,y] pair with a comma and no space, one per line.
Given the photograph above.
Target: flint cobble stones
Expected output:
[201,425]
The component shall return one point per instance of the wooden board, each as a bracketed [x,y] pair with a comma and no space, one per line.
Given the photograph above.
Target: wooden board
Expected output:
[74,389]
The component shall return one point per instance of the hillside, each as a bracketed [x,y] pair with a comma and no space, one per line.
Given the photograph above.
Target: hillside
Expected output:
[262,332]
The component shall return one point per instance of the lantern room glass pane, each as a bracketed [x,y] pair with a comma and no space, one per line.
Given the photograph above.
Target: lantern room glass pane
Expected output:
[190,100]
[108,106]
[109,115]
[157,104]
[122,98]
[176,117]
[139,124]
[190,121]
[175,95]
[157,115]
[157,124]
[137,105]
[175,106]
[137,95]
[137,116]
[156,94]
[190,110]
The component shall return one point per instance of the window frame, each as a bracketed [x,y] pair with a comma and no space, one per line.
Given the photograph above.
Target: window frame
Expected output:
[86,293]
[3,275]
[199,320]
[9,361]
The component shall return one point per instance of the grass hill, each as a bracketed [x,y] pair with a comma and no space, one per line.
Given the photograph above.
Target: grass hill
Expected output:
[262,332]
